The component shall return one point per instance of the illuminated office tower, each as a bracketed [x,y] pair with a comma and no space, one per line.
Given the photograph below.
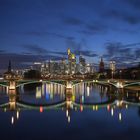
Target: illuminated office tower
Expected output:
[112,67]
[71,62]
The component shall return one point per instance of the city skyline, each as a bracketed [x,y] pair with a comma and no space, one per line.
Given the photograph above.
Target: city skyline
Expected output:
[43,30]
[70,69]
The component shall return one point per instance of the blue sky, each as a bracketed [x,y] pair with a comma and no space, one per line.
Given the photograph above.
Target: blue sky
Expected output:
[32,30]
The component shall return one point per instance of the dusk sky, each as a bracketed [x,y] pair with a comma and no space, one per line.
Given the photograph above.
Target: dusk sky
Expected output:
[39,30]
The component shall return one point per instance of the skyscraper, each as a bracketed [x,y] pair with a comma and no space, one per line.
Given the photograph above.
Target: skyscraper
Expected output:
[101,66]
[82,60]
[113,65]
[112,68]
[71,62]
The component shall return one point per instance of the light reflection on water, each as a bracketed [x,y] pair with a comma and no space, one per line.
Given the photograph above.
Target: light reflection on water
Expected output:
[42,94]
[90,101]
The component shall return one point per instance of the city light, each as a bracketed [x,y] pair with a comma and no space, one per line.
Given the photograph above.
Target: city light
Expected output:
[120,116]
[41,109]
[112,111]
[70,69]
[88,92]
[81,108]
[12,120]
[17,114]
[67,113]
[68,119]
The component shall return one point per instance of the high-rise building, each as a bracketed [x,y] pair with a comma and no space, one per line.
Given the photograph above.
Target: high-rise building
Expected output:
[71,62]
[82,60]
[112,66]
[63,66]
[82,64]
[101,66]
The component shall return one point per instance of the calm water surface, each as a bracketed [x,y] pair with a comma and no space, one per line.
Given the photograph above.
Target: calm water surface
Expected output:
[49,111]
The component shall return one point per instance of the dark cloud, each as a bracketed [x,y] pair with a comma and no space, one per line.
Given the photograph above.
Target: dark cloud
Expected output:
[132,19]
[58,53]
[137,53]
[2,51]
[134,45]
[123,16]
[72,44]
[125,30]
[122,54]
[134,3]
[34,48]
[94,28]
[18,60]
[118,49]
[86,53]
[88,28]
[80,48]
[44,33]
[72,21]
[24,60]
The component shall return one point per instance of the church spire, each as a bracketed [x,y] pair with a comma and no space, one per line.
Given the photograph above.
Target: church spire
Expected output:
[9,66]
[101,66]
[101,59]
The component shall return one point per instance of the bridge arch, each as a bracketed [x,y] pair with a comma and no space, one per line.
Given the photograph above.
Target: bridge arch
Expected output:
[3,85]
[33,82]
[131,84]
[32,106]
[100,105]
[81,82]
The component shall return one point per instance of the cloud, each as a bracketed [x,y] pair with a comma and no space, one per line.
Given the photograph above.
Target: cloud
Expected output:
[86,27]
[24,60]
[72,21]
[44,33]
[72,44]
[87,53]
[34,48]
[133,3]
[118,49]
[137,53]
[80,48]
[94,28]
[2,51]
[58,53]
[122,54]
[123,16]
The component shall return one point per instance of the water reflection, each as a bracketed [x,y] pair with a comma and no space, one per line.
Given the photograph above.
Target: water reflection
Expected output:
[42,94]
[83,96]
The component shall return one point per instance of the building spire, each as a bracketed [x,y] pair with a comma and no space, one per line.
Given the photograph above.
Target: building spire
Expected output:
[101,59]
[9,66]
[69,52]
[101,66]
